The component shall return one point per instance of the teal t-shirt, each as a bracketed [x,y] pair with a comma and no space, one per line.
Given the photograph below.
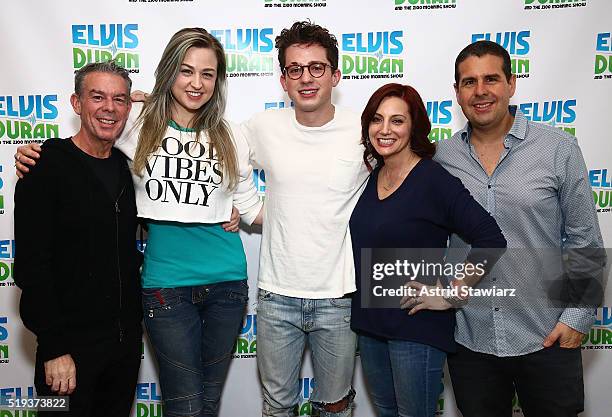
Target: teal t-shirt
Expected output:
[191,254]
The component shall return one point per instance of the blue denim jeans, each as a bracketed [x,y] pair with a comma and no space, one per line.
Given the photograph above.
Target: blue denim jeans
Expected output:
[193,331]
[404,378]
[284,326]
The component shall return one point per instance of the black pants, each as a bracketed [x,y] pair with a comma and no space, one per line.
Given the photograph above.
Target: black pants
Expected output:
[548,383]
[106,375]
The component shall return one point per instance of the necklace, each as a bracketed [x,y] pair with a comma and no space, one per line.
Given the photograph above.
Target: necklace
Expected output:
[389,184]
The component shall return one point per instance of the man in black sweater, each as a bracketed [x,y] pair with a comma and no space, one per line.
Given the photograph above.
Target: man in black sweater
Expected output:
[77,264]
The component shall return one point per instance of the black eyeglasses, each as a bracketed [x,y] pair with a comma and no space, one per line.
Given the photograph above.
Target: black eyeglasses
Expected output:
[316,69]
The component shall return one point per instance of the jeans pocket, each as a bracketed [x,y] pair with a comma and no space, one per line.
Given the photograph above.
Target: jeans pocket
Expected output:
[239,291]
[340,302]
[159,299]
[263,295]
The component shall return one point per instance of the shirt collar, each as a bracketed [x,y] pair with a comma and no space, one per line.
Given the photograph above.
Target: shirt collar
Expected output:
[518,129]
[176,126]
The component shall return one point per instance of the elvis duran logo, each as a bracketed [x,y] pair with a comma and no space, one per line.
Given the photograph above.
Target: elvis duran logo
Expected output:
[259,179]
[517,45]
[424,4]
[17,413]
[249,51]
[295,3]
[278,105]
[28,118]
[15,393]
[372,55]
[259,175]
[553,4]
[148,400]
[304,406]
[600,335]
[7,254]
[103,42]
[601,184]
[4,335]
[440,116]
[557,113]
[603,56]
[246,343]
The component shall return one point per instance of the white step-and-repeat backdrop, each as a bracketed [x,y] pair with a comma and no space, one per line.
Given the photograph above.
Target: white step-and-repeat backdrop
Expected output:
[561,52]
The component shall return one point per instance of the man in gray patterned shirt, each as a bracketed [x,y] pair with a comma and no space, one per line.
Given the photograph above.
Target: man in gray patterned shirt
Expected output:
[532,178]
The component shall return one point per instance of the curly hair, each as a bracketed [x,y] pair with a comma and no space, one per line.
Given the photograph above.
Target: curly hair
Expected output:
[307,33]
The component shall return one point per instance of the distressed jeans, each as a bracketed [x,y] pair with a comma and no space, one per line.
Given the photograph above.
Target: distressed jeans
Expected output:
[284,326]
[193,331]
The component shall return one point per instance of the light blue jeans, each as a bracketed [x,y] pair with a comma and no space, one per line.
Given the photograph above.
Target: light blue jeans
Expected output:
[284,326]
[403,377]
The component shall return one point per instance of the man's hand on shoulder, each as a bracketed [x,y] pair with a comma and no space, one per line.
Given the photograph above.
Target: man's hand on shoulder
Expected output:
[60,374]
[26,157]
[139,96]
[232,225]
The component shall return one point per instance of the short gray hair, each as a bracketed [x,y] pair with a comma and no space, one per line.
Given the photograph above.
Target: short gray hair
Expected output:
[108,66]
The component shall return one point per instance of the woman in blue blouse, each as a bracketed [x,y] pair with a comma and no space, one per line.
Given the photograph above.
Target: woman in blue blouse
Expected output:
[409,201]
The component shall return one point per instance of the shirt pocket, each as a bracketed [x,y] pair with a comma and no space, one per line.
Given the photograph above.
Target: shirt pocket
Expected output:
[344,174]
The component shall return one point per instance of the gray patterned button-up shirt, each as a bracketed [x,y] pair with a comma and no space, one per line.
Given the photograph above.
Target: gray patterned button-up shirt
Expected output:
[540,196]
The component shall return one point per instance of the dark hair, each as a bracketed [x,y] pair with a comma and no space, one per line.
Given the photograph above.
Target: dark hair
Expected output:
[110,67]
[421,126]
[480,49]
[307,33]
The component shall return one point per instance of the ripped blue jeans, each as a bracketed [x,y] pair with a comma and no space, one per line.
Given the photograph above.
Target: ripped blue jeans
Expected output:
[285,325]
[193,331]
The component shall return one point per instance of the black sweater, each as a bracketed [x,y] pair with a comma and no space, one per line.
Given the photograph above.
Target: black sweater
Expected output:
[77,263]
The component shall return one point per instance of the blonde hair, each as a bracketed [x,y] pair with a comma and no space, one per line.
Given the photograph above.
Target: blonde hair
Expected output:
[157,111]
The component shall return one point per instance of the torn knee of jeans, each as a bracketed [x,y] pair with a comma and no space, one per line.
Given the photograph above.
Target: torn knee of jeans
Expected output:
[338,406]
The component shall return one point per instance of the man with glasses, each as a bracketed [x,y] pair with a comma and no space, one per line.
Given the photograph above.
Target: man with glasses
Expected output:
[314,174]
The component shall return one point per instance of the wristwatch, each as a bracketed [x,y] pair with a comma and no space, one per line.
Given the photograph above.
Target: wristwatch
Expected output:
[455,301]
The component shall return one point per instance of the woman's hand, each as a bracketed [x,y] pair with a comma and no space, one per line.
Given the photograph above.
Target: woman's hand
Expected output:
[425,297]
